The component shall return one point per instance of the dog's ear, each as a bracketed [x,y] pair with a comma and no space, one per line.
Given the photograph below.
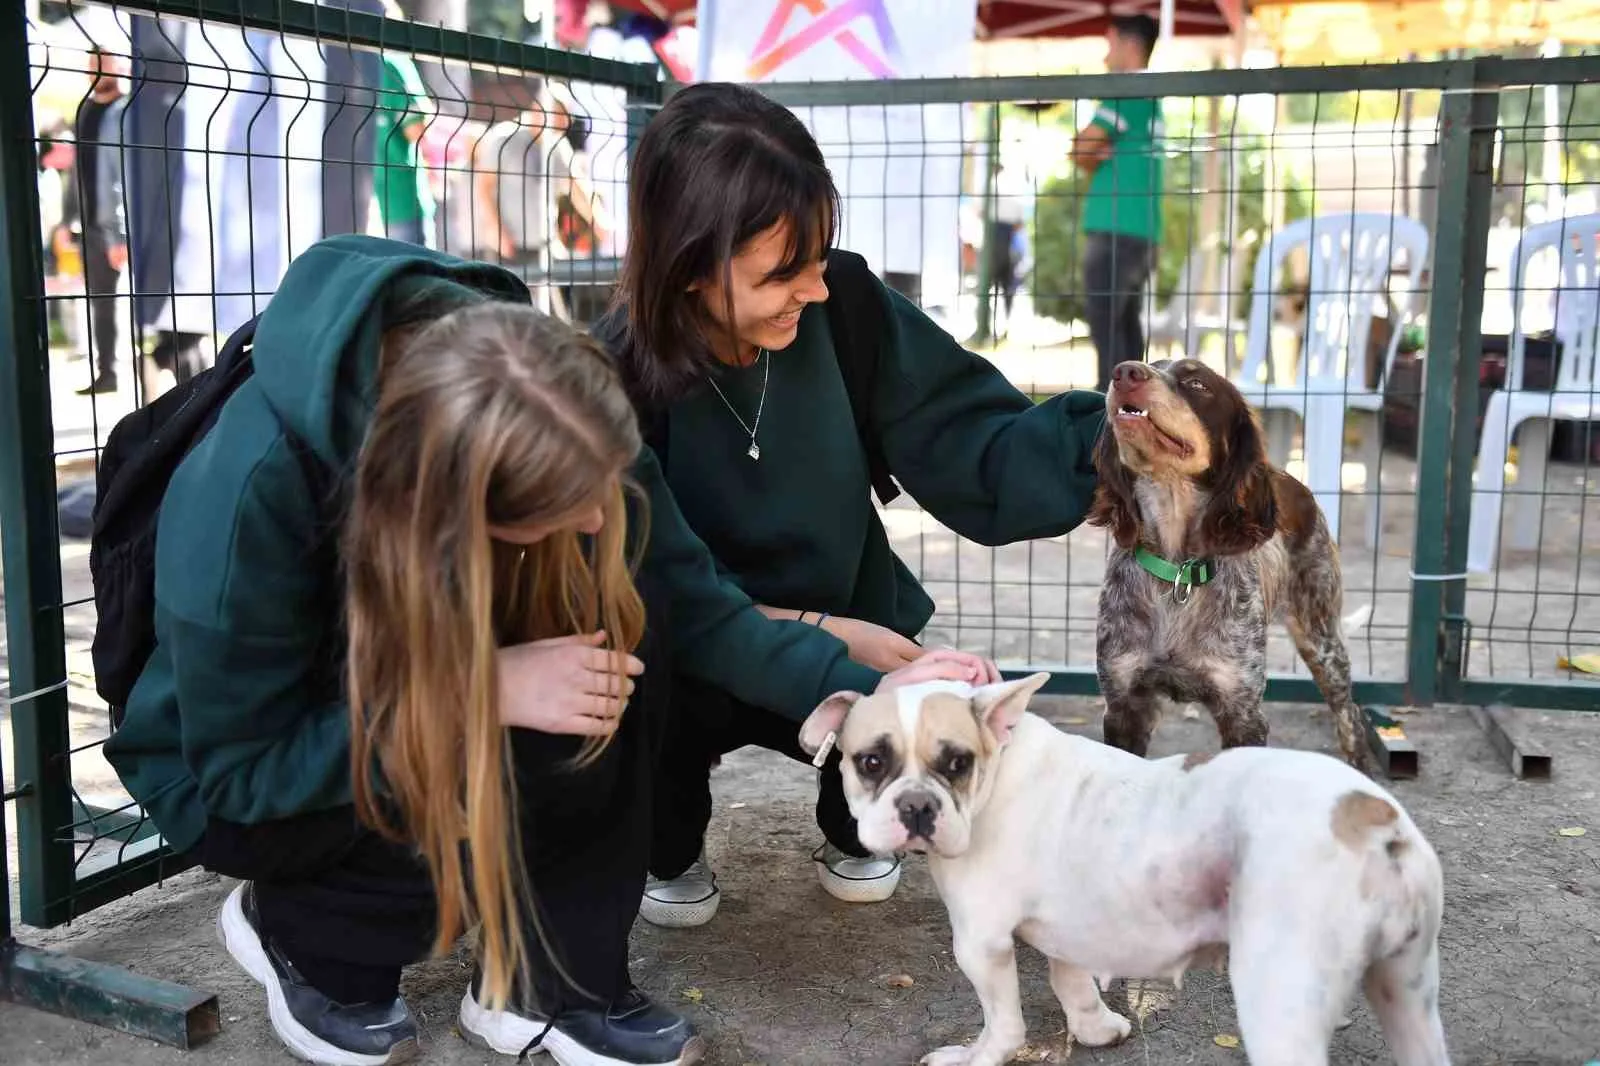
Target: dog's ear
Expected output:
[827,718]
[1243,511]
[999,706]
[1113,506]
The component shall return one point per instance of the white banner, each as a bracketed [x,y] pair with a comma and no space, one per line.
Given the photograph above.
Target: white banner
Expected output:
[898,168]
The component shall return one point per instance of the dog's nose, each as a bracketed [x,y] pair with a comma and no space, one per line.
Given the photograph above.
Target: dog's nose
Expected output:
[1130,375]
[918,813]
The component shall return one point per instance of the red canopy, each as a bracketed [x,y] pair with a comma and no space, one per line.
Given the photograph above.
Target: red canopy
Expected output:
[1001,19]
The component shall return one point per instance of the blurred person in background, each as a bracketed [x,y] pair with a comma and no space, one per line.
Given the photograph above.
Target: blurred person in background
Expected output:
[1120,151]
[399,183]
[1007,241]
[534,198]
[103,235]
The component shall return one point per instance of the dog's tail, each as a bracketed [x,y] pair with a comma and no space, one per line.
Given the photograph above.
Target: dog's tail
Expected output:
[1356,620]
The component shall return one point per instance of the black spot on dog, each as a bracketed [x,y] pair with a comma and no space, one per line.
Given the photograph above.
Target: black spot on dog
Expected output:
[954,764]
[878,765]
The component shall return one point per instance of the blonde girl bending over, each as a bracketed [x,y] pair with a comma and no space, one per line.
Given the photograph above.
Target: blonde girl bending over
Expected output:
[400,685]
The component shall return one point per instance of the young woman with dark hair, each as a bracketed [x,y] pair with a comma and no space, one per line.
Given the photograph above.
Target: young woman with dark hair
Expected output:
[748,393]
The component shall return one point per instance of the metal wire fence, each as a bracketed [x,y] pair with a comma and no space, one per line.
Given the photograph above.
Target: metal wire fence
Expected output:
[1304,253]
[1386,201]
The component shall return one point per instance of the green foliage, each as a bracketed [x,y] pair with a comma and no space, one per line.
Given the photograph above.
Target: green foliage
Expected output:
[1058,213]
[498,18]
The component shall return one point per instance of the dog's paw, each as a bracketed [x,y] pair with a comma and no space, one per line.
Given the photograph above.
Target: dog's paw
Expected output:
[954,1055]
[1100,1030]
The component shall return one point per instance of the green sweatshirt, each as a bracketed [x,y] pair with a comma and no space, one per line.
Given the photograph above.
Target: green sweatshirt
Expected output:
[797,527]
[237,715]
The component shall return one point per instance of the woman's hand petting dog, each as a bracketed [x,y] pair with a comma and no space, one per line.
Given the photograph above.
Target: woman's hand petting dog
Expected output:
[944,664]
[873,645]
[567,685]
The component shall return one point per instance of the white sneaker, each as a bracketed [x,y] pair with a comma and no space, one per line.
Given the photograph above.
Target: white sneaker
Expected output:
[853,880]
[684,902]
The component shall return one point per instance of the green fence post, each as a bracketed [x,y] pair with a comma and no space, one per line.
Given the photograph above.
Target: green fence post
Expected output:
[5,872]
[1483,118]
[1426,652]
[36,646]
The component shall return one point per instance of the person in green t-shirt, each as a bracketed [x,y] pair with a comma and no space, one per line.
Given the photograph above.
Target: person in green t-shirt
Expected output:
[405,203]
[1121,151]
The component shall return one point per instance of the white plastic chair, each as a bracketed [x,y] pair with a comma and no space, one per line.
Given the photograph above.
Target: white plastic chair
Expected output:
[1352,262]
[1182,322]
[1576,298]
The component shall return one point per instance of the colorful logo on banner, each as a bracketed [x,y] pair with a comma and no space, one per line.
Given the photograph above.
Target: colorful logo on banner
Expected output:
[828,23]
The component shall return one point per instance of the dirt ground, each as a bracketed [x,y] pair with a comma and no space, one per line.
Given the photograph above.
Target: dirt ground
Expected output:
[786,976]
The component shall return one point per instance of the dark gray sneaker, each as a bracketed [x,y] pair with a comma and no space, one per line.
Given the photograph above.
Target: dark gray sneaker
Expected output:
[313,1027]
[633,1031]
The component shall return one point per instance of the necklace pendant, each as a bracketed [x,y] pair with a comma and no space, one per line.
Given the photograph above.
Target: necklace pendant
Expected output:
[755,450]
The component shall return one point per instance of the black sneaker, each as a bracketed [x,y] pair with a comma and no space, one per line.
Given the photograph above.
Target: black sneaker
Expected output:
[312,1026]
[633,1031]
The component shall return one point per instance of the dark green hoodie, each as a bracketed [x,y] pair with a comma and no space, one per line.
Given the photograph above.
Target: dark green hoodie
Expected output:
[797,526]
[235,715]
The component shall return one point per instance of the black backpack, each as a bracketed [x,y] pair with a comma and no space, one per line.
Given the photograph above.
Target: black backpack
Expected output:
[857,319]
[141,453]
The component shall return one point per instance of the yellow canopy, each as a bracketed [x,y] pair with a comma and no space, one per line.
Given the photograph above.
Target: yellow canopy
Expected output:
[1315,32]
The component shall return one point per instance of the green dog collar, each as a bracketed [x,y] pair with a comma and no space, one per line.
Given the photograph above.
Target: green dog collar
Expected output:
[1182,576]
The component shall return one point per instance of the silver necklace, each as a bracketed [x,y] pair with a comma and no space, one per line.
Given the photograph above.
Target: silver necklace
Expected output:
[754,451]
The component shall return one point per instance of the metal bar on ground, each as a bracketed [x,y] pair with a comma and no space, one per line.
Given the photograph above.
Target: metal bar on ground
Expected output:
[1387,737]
[1520,751]
[108,995]
[36,642]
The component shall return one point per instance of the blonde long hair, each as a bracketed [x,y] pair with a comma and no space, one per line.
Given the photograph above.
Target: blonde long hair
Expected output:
[492,415]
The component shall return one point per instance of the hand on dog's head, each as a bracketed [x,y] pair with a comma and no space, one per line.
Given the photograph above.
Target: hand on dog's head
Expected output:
[918,762]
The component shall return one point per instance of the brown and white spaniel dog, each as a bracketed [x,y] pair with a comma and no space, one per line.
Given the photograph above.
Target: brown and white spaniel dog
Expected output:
[1212,545]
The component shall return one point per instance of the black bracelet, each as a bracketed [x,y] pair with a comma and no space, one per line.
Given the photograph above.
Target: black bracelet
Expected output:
[802,617]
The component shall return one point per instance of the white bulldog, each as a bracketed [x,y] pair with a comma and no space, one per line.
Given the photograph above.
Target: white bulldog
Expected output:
[1305,875]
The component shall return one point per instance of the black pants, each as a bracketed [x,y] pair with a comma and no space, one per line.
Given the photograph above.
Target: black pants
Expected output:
[1003,279]
[704,724]
[1115,269]
[100,283]
[350,908]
